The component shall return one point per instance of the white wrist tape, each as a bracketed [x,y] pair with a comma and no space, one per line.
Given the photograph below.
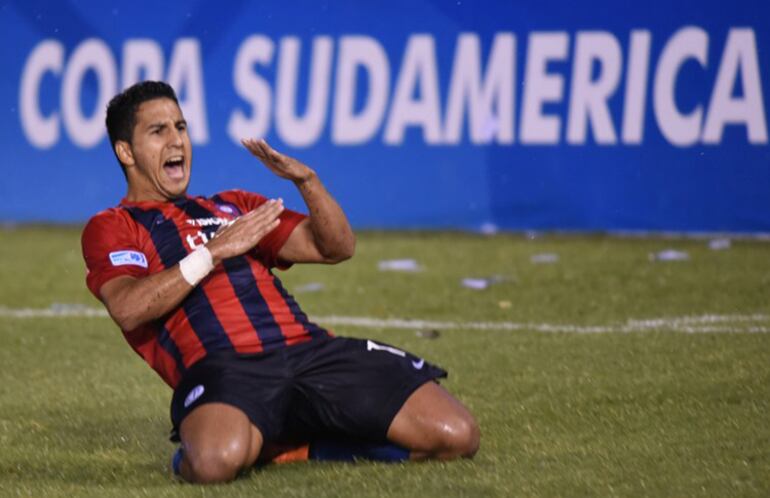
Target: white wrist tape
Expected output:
[196,265]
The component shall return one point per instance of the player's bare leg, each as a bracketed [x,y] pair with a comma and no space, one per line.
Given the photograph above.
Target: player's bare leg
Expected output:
[433,424]
[218,441]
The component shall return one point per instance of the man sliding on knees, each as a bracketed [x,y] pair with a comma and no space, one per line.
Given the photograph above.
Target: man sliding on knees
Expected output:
[190,282]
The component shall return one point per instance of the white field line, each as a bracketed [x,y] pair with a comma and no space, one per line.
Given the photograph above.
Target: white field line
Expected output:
[720,324]
[54,311]
[689,324]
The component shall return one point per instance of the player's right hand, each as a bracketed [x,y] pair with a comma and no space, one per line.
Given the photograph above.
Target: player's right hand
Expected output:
[245,232]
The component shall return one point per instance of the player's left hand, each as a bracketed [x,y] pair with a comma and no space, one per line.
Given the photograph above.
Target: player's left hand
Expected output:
[280,164]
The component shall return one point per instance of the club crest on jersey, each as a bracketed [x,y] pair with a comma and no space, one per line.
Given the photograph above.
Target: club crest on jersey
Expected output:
[226,208]
[121,258]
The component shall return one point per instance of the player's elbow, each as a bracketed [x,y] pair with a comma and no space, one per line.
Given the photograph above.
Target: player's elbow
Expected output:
[347,252]
[342,251]
[125,315]
[120,298]
[124,318]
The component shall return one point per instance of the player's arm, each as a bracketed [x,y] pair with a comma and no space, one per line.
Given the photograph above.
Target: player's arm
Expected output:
[326,236]
[132,302]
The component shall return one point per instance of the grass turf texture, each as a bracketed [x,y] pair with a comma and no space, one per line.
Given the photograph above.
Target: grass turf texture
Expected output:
[657,413]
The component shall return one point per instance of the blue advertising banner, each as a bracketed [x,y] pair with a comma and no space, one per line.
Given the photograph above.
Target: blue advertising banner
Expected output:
[598,115]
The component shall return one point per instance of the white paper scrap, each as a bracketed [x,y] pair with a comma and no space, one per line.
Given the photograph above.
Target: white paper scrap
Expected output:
[488,228]
[669,255]
[475,283]
[719,244]
[309,287]
[407,265]
[544,258]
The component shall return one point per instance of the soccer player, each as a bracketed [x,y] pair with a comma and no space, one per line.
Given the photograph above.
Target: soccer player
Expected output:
[189,281]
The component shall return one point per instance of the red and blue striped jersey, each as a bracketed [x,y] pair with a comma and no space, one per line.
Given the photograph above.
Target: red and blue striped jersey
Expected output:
[240,306]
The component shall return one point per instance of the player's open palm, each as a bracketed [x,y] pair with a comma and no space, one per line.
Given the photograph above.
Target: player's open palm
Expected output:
[245,232]
[280,164]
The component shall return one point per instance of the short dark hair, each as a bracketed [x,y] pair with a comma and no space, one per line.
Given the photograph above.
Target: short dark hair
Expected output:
[121,111]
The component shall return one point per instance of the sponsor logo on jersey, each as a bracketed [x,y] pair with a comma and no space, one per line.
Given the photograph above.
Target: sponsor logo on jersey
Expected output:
[121,258]
[207,222]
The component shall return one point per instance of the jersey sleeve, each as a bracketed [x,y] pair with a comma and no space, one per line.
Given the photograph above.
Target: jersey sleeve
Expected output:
[268,248]
[111,249]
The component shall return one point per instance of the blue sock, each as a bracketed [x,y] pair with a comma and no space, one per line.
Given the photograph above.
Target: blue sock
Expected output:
[176,462]
[348,451]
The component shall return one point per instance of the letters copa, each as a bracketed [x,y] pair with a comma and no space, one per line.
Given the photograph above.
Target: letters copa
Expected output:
[481,94]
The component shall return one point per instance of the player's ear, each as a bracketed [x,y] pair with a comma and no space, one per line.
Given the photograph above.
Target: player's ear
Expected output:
[124,152]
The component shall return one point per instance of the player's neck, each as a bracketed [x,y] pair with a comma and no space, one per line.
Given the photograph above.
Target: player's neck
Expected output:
[138,194]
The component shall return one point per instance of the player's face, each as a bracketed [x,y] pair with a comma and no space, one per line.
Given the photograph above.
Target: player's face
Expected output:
[161,150]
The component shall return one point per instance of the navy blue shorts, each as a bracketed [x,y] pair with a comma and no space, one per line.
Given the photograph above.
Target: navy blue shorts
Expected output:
[329,387]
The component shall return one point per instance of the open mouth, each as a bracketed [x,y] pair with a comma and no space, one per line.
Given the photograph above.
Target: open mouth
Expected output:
[174,167]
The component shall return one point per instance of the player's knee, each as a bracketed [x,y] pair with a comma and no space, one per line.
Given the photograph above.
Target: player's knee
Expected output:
[472,441]
[462,438]
[218,463]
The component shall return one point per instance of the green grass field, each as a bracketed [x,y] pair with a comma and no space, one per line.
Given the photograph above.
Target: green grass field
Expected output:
[575,396]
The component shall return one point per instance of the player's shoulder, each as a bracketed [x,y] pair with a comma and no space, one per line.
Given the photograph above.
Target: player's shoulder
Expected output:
[109,216]
[235,192]
[243,199]
[107,221]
